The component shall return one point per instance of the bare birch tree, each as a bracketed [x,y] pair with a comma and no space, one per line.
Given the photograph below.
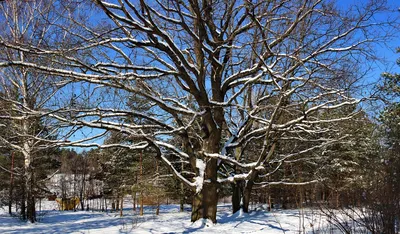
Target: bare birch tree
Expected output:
[25,92]
[213,77]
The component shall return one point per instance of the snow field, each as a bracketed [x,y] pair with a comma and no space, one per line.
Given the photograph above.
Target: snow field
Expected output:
[170,220]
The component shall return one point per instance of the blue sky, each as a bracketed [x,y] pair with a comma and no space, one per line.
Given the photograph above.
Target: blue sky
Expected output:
[388,51]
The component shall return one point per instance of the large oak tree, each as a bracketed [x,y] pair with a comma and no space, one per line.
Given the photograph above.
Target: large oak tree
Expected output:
[212,78]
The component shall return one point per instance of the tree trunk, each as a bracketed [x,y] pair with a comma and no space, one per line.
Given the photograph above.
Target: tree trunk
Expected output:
[30,199]
[134,200]
[337,196]
[122,207]
[23,200]
[205,203]
[182,201]
[81,201]
[247,193]
[157,190]
[158,205]
[11,184]
[83,187]
[250,182]
[237,192]
[141,203]
[210,201]
[197,207]
[40,205]
[270,204]
[140,184]
[236,197]
[246,197]
[182,195]
[134,191]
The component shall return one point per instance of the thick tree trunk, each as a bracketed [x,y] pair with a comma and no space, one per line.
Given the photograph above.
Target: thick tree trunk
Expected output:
[246,196]
[210,202]
[28,170]
[28,185]
[210,192]
[250,182]
[236,197]
[31,210]
[30,199]
[237,193]
[247,193]
[197,207]
[205,203]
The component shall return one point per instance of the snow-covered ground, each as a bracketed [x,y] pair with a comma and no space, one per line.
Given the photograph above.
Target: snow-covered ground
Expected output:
[170,220]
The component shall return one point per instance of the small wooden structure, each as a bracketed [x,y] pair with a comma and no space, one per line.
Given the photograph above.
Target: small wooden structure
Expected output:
[67,203]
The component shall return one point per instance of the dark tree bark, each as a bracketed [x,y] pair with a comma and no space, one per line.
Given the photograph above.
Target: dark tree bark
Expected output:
[236,197]
[30,198]
[247,195]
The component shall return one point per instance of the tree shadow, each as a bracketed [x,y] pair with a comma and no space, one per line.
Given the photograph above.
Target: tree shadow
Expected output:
[131,222]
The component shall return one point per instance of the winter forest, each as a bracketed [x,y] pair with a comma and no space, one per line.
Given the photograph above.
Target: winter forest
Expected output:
[259,113]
